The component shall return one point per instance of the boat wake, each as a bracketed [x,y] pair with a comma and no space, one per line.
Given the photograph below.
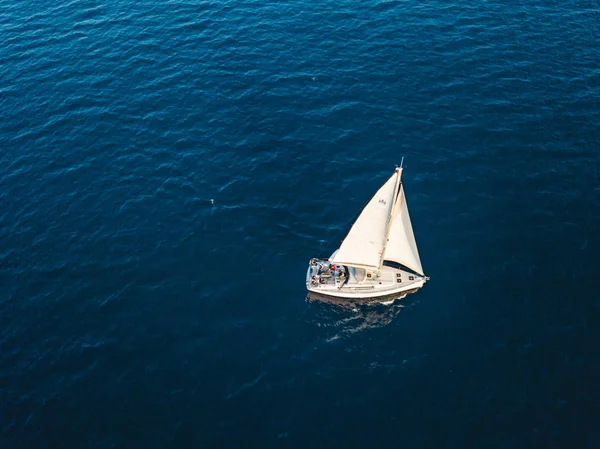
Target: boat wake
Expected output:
[347,320]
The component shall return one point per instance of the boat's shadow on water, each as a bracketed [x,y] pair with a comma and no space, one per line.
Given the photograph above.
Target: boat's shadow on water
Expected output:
[350,318]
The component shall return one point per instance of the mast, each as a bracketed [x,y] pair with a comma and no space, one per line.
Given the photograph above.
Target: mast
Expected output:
[388,224]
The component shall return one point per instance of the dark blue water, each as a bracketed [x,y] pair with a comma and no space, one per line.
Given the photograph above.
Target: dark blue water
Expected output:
[136,314]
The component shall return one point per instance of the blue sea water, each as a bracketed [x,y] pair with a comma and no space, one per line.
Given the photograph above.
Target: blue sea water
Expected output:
[134,313]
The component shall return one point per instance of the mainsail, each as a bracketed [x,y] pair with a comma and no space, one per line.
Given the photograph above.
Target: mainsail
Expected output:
[363,245]
[401,246]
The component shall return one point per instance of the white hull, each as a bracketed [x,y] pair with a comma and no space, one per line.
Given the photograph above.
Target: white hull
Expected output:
[393,283]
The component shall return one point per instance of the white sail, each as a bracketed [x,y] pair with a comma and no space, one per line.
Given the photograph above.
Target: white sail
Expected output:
[363,245]
[401,246]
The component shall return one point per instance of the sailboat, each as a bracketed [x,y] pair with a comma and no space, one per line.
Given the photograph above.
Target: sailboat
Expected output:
[378,261]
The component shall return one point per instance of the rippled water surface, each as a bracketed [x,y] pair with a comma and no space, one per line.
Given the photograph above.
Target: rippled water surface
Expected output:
[136,313]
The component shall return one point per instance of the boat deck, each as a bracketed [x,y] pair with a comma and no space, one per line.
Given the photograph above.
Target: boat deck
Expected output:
[346,282]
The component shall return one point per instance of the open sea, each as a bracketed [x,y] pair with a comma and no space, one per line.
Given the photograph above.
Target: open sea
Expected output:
[137,313]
